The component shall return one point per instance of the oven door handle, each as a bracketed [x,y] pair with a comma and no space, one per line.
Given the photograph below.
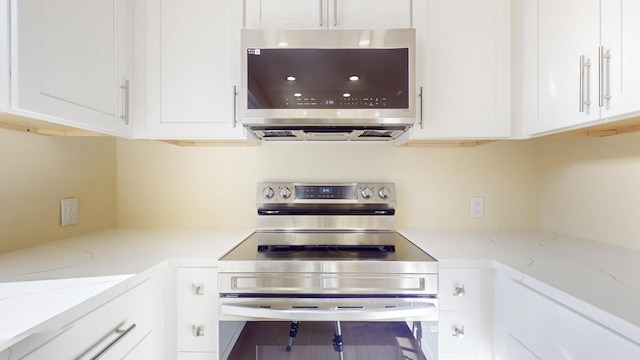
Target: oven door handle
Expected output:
[417,310]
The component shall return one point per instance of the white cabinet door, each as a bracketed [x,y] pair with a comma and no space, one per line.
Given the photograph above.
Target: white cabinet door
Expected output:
[369,14]
[70,59]
[327,14]
[567,39]
[552,331]
[620,34]
[193,66]
[285,14]
[463,69]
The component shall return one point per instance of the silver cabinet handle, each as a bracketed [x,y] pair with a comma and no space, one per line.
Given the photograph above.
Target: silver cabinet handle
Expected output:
[335,12]
[329,315]
[421,101]
[321,2]
[235,105]
[585,76]
[125,110]
[604,82]
[458,332]
[459,291]
[198,330]
[197,289]
[121,335]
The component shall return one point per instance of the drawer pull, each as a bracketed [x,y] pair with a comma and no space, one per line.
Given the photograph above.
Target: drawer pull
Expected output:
[459,291]
[121,334]
[198,330]
[197,289]
[458,332]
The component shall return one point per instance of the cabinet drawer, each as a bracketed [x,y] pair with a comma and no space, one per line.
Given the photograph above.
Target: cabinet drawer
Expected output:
[465,289]
[91,334]
[197,306]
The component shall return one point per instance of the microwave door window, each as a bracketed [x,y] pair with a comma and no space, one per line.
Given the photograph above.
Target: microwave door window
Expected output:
[328,78]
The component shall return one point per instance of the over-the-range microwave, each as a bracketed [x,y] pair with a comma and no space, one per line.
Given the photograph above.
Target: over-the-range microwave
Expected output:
[327,85]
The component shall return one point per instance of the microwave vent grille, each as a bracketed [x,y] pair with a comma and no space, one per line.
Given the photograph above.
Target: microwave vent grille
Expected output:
[377,133]
[278,134]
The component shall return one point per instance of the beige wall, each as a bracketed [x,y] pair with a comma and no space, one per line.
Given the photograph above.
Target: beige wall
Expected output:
[586,187]
[165,185]
[36,171]
[590,187]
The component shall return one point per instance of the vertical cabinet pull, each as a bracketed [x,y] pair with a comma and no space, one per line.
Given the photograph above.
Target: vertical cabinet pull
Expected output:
[235,105]
[321,2]
[585,77]
[604,79]
[335,12]
[421,100]
[125,108]
[121,335]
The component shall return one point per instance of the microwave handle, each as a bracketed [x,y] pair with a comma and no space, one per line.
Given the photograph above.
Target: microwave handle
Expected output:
[418,310]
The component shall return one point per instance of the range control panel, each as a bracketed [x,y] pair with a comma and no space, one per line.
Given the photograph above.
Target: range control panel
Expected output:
[284,192]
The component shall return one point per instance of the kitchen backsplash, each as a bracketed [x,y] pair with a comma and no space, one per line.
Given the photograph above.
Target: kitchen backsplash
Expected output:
[36,171]
[165,185]
[585,187]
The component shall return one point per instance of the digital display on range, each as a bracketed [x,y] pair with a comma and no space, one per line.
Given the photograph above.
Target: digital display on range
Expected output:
[326,192]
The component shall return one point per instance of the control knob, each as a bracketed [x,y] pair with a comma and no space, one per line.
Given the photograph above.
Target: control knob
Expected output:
[285,193]
[366,192]
[384,192]
[267,192]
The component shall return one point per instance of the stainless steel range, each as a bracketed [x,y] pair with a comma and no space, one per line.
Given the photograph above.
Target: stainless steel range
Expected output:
[327,252]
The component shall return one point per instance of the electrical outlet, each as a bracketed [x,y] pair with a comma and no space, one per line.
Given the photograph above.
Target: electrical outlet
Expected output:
[476,207]
[68,211]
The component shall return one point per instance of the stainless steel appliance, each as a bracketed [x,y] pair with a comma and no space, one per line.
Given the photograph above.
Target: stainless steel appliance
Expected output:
[327,85]
[327,252]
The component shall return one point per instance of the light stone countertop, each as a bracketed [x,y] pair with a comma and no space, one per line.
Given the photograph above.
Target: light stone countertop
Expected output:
[598,280]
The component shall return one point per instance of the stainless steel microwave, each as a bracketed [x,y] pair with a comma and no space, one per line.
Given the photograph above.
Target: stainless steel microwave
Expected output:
[327,85]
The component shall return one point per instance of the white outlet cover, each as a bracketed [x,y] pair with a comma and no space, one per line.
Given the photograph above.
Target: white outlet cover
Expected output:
[476,207]
[68,211]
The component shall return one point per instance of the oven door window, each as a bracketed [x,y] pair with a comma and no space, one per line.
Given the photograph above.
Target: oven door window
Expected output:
[321,340]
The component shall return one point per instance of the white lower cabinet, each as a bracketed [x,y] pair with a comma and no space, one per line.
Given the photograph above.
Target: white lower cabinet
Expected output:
[465,318]
[123,328]
[197,319]
[550,330]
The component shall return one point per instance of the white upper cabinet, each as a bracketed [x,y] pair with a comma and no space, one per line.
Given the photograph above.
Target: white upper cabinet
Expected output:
[71,63]
[620,34]
[581,62]
[327,14]
[193,66]
[463,69]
